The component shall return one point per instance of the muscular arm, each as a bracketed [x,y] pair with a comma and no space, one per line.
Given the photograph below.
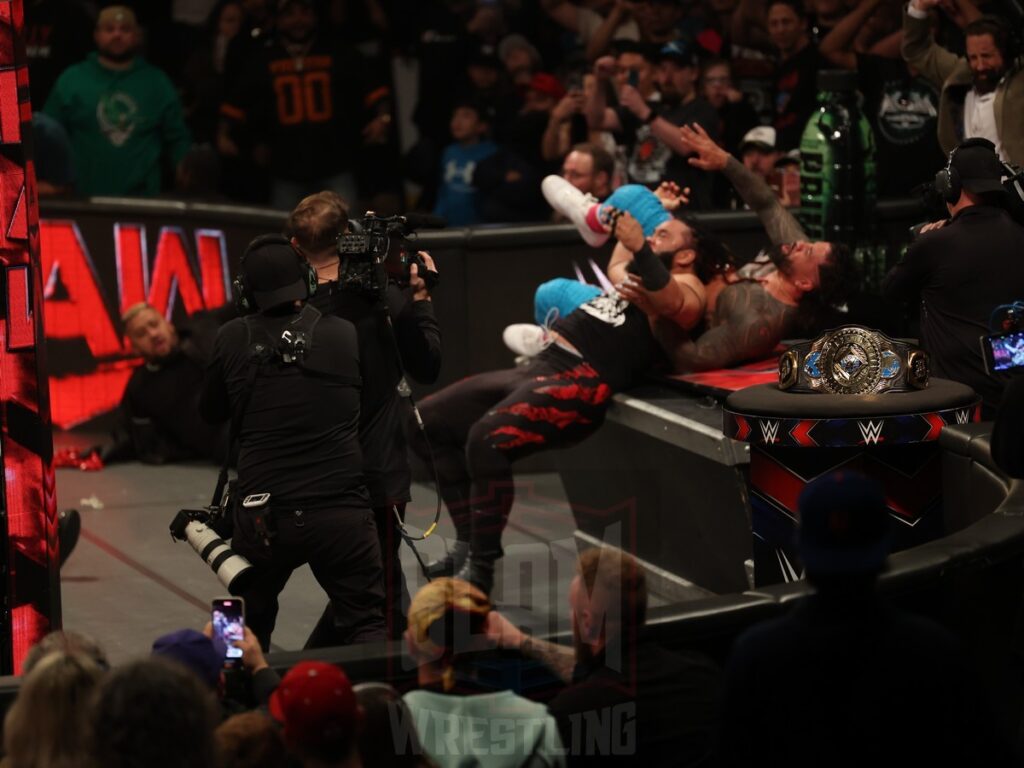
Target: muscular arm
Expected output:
[780,224]
[747,325]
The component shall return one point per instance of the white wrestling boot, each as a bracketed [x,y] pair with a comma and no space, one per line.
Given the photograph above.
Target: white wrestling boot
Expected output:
[575,206]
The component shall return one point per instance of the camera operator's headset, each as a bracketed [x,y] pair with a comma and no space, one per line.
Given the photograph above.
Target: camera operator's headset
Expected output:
[947,181]
[245,302]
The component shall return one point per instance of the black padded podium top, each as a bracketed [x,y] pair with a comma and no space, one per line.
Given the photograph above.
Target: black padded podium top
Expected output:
[769,400]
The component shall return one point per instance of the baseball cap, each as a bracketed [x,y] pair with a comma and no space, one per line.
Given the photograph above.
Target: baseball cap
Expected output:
[844,525]
[512,42]
[272,271]
[978,166]
[678,51]
[761,137]
[315,704]
[194,650]
[548,84]
[788,158]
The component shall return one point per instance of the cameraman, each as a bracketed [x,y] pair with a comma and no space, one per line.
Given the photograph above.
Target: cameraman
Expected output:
[298,412]
[963,268]
[396,331]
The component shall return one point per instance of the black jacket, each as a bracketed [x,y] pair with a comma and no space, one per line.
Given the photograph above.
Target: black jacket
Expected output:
[657,707]
[415,334]
[298,438]
[158,418]
[960,273]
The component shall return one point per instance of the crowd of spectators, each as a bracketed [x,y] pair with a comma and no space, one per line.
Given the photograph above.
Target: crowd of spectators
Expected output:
[264,101]
[839,664]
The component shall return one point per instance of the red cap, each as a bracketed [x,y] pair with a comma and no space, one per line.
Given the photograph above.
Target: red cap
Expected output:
[547,84]
[315,703]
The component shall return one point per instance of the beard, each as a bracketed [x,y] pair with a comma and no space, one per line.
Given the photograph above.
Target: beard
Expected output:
[119,57]
[779,258]
[985,80]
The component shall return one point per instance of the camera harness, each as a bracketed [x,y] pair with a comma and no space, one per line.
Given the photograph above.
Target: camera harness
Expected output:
[292,346]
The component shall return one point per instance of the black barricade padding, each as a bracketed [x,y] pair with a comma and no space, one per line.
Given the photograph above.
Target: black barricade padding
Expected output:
[488,276]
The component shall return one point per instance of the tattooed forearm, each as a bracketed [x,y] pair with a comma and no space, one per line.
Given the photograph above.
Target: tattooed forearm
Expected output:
[780,224]
[560,659]
[748,324]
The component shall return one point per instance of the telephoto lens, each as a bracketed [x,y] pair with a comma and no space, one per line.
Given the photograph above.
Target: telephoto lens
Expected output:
[233,570]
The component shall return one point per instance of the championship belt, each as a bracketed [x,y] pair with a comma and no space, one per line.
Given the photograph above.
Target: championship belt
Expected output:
[853,360]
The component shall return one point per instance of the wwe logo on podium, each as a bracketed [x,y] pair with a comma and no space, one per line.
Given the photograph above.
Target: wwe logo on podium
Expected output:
[770,431]
[962,417]
[871,432]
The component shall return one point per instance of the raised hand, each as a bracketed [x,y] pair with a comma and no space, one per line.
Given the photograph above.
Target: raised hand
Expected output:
[709,156]
[671,196]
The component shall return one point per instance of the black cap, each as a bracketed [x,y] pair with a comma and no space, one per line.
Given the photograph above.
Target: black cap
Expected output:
[978,166]
[678,51]
[274,272]
[844,525]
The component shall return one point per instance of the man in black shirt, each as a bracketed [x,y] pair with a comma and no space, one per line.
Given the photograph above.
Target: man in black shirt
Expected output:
[795,72]
[310,104]
[903,106]
[397,333]
[291,379]
[684,105]
[654,100]
[159,418]
[962,271]
[844,678]
[664,703]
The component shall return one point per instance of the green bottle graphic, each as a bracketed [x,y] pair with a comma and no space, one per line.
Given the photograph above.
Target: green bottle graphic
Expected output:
[837,174]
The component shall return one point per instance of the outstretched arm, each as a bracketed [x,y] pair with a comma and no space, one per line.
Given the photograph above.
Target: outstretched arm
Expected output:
[748,324]
[919,47]
[780,224]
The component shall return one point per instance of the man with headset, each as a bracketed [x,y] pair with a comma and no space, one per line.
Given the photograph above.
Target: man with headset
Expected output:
[982,93]
[289,379]
[962,270]
[397,333]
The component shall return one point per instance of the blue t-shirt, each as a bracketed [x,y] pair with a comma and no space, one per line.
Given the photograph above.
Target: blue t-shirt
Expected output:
[456,195]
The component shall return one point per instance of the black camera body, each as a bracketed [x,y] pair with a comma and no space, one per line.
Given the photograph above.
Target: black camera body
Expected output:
[382,250]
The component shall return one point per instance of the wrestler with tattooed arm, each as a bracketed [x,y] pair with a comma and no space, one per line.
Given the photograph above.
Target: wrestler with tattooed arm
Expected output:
[773,296]
[478,426]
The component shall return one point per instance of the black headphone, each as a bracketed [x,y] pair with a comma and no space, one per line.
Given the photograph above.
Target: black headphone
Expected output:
[245,302]
[947,181]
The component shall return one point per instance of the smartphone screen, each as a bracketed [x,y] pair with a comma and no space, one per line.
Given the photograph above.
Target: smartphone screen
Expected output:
[228,617]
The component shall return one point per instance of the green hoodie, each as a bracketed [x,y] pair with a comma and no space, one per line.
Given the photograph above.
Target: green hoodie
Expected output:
[119,123]
[492,730]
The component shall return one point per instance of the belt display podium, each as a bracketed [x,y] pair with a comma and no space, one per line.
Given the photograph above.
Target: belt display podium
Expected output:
[795,437]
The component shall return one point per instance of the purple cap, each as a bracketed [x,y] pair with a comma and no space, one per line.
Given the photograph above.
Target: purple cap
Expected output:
[194,650]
